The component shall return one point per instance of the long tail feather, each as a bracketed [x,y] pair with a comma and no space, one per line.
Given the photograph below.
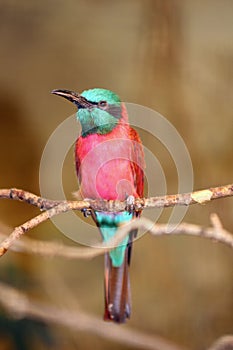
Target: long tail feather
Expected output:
[117,289]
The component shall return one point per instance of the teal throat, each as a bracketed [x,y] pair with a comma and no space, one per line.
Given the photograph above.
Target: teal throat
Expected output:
[108,224]
[96,121]
[104,114]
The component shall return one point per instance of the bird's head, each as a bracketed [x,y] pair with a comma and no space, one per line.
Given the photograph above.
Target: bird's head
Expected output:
[99,110]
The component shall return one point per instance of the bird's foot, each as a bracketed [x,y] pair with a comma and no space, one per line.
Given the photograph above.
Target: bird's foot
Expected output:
[130,204]
[86,212]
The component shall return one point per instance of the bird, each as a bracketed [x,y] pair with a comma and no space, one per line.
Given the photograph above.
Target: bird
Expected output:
[110,165]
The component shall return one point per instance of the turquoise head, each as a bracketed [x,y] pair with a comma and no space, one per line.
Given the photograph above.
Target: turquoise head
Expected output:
[99,110]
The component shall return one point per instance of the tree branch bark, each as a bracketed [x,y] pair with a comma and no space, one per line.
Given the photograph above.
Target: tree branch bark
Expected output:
[201,197]
[53,249]
[56,207]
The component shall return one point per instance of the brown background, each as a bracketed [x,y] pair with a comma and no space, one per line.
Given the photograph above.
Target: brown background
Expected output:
[173,56]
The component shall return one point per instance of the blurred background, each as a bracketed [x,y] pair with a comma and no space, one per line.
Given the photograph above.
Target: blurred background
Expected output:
[173,56]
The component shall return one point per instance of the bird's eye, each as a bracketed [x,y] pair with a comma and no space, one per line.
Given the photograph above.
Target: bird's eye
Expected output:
[103,104]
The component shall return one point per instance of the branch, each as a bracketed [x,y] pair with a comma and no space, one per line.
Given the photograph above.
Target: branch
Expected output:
[201,197]
[20,230]
[57,207]
[20,305]
[53,249]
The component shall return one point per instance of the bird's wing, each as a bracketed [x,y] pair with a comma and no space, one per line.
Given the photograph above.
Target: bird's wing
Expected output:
[77,160]
[138,162]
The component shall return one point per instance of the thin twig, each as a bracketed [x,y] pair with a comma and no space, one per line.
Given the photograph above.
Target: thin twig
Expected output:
[201,197]
[21,306]
[54,249]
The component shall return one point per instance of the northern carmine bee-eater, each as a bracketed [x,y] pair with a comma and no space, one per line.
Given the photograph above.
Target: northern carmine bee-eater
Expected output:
[110,165]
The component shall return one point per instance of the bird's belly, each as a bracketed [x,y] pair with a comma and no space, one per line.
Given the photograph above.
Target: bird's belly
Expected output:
[112,180]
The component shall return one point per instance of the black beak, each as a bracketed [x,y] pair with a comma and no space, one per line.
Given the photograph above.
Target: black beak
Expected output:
[74,97]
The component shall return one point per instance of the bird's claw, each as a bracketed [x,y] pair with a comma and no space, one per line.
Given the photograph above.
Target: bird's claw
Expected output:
[130,204]
[86,212]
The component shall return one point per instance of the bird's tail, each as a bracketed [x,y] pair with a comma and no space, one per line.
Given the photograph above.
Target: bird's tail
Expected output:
[117,289]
